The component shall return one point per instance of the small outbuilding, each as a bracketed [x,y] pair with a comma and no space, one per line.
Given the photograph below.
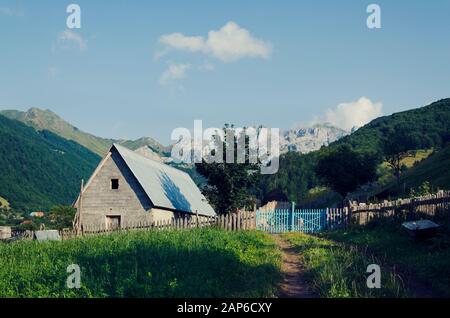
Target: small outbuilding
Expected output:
[128,188]
[5,232]
[37,214]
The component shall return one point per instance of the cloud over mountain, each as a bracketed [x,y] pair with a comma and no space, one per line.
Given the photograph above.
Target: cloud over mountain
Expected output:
[354,114]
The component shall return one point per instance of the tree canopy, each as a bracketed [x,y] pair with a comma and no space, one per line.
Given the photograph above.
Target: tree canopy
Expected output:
[228,183]
[344,169]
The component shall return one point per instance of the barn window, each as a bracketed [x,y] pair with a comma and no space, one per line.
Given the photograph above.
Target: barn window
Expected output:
[114,184]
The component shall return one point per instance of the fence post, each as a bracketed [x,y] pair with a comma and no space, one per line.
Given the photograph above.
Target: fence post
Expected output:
[238,220]
[292,216]
[328,219]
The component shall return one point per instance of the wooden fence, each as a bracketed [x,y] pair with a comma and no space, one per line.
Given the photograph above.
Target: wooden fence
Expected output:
[242,220]
[267,219]
[428,205]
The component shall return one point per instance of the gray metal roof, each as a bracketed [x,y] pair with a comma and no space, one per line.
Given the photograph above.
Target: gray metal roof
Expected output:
[166,186]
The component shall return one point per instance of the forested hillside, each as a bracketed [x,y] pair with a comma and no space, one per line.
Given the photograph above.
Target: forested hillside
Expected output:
[294,178]
[428,126]
[47,120]
[423,128]
[433,171]
[38,168]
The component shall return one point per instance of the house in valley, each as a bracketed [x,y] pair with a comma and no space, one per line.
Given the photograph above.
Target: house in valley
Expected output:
[128,188]
[37,214]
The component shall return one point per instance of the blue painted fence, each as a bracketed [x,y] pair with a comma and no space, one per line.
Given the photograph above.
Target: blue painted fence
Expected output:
[301,220]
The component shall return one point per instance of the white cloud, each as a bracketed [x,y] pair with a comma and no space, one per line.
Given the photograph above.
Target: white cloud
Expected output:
[68,37]
[179,41]
[228,44]
[232,42]
[174,72]
[354,114]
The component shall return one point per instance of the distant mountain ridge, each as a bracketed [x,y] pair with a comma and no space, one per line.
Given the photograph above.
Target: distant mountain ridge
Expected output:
[303,139]
[310,138]
[47,120]
[40,169]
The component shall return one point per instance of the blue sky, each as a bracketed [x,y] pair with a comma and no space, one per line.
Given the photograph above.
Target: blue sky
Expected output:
[279,63]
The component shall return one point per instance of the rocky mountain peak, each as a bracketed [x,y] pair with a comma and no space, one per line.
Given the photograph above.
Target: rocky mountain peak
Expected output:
[310,138]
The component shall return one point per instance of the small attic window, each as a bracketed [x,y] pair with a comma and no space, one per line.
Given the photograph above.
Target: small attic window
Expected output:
[114,184]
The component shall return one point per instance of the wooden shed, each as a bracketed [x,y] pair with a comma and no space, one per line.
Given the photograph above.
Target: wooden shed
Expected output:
[127,188]
[5,232]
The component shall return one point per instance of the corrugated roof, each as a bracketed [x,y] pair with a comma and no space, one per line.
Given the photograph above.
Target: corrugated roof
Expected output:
[166,186]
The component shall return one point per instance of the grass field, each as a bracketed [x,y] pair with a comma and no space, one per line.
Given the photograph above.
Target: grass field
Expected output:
[4,204]
[194,263]
[424,166]
[415,157]
[423,265]
[335,271]
[336,261]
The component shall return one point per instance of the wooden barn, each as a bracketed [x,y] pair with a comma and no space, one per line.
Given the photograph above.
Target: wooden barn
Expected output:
[127,188]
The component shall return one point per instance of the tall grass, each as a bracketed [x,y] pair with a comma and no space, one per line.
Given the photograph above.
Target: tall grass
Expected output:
[338,272]
[194,263]
[421,262]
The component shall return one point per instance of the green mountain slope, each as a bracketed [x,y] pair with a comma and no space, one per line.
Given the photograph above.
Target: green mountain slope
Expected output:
[47,120]
[38,168]
[435,170]
[430,124]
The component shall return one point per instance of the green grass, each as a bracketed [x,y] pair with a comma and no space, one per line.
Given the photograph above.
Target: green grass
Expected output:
[426,262]
[430,167]
[4,204]
[415,157]
[335,271]
[319,197]
[194,263]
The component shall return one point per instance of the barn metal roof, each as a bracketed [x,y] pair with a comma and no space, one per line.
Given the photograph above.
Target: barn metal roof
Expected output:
[166,186]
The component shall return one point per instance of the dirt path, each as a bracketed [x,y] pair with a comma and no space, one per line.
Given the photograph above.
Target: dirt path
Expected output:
[293,285]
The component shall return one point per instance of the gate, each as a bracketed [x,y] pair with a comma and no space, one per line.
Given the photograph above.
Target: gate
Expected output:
[300,220]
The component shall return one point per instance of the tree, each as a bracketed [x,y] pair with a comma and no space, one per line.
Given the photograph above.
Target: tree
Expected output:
[60,217]
[397,146]
[228,184]
[344,169]
[294,178]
